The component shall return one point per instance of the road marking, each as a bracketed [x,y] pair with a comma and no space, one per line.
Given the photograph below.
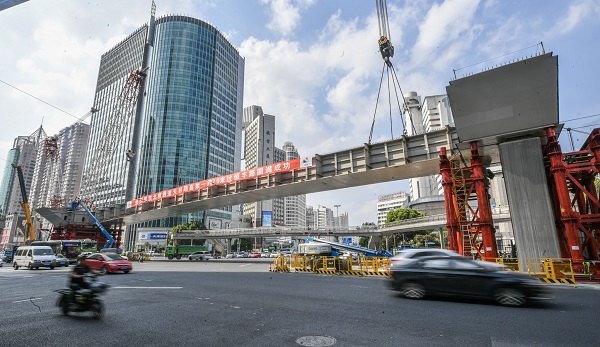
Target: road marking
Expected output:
[146,287]
[18,301]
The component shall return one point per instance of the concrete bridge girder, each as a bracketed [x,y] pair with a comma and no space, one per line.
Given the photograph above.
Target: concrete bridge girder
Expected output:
[396,159]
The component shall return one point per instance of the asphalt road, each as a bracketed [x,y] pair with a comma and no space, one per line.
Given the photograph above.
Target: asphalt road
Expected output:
[240,303]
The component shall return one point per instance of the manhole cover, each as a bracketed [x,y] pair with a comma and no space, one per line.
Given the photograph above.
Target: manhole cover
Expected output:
[316,341]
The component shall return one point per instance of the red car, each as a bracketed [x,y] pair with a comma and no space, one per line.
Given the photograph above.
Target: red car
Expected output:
[108,262]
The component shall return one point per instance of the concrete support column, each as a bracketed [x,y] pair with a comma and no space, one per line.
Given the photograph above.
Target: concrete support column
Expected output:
[529,199]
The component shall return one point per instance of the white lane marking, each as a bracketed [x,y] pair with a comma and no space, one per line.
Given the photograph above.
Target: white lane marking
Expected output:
[146,287]
[16,302]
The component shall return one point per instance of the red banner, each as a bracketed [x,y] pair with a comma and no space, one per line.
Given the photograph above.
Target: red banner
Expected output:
[262,171]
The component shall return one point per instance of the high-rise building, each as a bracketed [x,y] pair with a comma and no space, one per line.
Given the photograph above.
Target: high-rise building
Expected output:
[186,124]
[320,217]
[58,169]
[23,153]
[389,202]
[259,150]
[431,114]
[59,166]
[294,212]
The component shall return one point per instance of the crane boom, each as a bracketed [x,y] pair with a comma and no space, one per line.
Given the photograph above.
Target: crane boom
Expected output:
[30,232]
[76,205]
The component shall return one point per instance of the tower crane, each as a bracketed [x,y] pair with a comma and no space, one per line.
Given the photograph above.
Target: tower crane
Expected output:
[112,135]
[387,53]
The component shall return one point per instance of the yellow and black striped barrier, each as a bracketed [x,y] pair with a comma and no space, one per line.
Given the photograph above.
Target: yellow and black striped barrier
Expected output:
[363,266]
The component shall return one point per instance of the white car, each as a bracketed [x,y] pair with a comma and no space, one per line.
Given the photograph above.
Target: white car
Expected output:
[201,255]
[414,253]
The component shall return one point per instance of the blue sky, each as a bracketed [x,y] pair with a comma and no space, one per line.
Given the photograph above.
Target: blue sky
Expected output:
[313,64]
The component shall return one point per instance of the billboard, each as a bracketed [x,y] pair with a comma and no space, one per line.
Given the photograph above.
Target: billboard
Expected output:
[267,218]
[513,99]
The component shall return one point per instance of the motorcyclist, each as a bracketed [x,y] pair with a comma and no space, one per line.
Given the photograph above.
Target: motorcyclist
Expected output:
[77,278]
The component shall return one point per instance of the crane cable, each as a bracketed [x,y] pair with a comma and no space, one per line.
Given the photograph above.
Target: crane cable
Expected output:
[384,26]
[387,52]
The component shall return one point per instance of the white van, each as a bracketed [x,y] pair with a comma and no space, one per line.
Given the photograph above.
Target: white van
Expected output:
[34,257]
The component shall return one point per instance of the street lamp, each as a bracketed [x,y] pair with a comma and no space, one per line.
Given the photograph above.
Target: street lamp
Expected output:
[337,209]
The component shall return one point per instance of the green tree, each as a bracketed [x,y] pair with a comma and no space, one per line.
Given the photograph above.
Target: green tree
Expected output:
[402,238]
[419,241]
[363,241]
[402,214]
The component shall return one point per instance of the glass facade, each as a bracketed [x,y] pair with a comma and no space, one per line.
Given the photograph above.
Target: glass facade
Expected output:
[106,170]
[188,121]
[191,117]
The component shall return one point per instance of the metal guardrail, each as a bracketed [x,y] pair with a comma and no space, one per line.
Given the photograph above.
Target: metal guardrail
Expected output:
[425,222]
[496,211]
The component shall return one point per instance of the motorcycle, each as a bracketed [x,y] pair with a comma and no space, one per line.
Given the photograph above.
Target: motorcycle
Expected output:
[84,300]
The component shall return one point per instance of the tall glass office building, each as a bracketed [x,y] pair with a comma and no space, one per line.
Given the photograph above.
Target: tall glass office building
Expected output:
[187,122]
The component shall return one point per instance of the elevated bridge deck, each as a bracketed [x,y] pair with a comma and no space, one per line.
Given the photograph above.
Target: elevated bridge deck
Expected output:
[396,159]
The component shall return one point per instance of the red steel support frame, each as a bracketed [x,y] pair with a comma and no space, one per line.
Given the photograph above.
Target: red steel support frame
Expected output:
[568,217]
[486,224]
[575,199]
[482,222]
[452,223]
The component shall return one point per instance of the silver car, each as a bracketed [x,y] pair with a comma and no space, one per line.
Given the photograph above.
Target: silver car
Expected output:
[414,253]
[201,255]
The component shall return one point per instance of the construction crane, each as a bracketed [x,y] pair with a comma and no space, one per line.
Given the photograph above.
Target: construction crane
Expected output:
[29,234]
[387,53]
[103,153]
[112,134]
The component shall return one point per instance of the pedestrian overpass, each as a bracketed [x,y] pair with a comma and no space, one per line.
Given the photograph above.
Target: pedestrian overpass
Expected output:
[500,214]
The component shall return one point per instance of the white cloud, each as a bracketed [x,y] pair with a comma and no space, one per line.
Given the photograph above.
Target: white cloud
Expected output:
[576,15]
[446,30]
[285,14]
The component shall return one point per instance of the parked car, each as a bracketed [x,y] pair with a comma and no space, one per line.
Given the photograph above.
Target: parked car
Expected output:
[230,256]
[265,255]
[61,260]
[108,262]
[464,277]
[200,255]
[414,253]
[254,255]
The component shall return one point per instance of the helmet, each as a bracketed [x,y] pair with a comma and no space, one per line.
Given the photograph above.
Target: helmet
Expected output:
[81,257]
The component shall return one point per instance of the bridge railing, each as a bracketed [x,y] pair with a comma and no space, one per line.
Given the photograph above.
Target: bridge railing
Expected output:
[500,210]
